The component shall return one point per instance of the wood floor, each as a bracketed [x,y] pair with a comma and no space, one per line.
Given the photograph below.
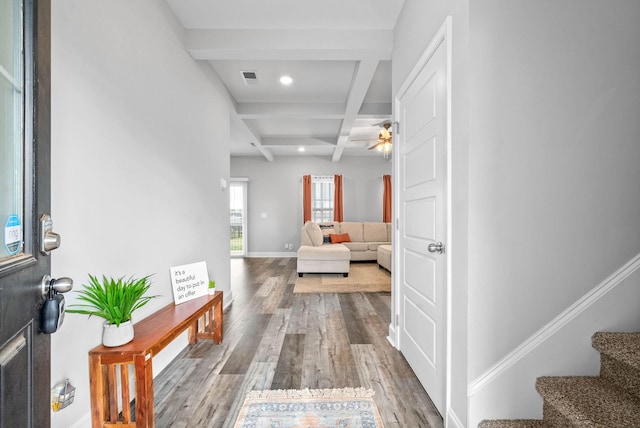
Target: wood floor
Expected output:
[274,339]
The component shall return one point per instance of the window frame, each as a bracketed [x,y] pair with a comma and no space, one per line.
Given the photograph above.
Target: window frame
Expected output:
[322,198]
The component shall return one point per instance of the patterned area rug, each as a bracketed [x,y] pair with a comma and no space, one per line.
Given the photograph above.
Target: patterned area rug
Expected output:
[363,278]
[310,408]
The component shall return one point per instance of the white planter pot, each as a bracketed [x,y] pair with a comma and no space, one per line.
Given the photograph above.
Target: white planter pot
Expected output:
[113,335]
[212,290]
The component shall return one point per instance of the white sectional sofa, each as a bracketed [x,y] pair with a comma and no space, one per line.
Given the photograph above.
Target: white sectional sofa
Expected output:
[315,255]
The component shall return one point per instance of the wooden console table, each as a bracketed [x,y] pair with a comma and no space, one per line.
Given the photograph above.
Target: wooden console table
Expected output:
[109,367]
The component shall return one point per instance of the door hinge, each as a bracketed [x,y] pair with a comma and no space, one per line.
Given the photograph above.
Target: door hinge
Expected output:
[397,320]
[397,127]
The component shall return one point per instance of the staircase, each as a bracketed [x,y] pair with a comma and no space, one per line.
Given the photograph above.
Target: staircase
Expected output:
[611,399]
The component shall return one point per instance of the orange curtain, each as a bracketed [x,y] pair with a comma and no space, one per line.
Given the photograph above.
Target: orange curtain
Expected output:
[386,199]
[306,198]
[338,214]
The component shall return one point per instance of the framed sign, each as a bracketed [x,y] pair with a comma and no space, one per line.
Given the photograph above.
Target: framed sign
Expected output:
[189,281]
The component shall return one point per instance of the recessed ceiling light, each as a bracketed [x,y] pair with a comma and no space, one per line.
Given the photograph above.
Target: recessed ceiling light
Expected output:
[286,80]
[301,149]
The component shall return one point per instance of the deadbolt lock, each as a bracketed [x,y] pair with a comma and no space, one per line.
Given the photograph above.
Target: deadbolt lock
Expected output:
[49,240]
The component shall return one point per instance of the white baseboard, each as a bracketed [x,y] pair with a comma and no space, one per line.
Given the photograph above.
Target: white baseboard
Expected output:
[392,336]
[275,254]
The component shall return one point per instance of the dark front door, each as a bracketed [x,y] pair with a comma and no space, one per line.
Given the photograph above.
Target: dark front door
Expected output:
[24,198]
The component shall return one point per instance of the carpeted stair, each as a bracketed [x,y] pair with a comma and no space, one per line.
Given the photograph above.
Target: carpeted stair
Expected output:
[611,399]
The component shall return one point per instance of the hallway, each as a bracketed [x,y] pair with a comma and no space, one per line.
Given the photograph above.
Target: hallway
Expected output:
[274,339]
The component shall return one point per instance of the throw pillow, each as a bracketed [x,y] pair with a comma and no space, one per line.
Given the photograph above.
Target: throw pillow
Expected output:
[314,233]
[337,238]
[327,229]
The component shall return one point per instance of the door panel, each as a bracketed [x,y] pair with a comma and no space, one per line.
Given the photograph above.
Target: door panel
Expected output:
[421,330]
[25,183]
[421,108]
[421,111]
[421,276]
[420,219]
[14,364]
[415,161]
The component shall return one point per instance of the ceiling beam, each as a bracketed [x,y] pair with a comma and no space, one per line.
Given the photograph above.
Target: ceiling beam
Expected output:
[362,77]
[291,110]
[289,44]
[279,141]
[257,143]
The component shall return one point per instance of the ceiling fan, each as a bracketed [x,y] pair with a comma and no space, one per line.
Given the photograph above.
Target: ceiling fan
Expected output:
[384,141]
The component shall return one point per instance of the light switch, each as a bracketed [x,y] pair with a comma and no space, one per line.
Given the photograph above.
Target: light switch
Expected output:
[263,215]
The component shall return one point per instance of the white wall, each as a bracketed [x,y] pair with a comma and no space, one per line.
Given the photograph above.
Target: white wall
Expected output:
[553,172]
[545,157]
[417,25]
[139,144]
[275,188]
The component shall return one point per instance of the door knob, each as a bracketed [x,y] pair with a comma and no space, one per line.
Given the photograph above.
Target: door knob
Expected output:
[438,247]
[53,307]
[51,286]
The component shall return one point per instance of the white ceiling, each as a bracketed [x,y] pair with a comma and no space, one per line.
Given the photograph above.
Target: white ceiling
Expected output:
[337,52]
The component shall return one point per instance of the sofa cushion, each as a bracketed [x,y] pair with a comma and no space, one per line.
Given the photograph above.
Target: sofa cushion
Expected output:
[373,246]
[315,233]
[304,237]
[354,229]
[324,252]
[337,238]
[357,246]
[375,232]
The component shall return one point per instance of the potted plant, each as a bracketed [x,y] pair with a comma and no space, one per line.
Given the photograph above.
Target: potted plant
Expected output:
[212,287]
[114,300]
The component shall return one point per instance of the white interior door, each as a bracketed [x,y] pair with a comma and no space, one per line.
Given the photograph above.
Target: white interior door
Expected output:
[421,109]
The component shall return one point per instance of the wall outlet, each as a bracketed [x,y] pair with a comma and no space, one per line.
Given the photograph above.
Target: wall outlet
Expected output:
[286,246]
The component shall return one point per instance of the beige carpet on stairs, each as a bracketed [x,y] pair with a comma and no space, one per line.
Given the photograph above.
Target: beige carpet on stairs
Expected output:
[610,400]
[363,278]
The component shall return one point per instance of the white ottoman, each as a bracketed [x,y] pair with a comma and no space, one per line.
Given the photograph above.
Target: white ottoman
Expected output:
[384,256]
[329,258]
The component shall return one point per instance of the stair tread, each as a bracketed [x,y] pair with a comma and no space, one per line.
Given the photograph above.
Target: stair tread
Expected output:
[513,423]
[590,401]
[623,347]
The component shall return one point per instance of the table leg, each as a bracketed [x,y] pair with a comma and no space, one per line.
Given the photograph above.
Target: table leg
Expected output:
[96,388]
[144,391]
[218,323]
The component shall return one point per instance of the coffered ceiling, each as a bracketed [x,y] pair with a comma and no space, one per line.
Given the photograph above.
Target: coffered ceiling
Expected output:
[337,53]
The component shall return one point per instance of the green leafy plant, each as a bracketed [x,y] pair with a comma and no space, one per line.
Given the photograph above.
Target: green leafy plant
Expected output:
[112,299]
[212,284]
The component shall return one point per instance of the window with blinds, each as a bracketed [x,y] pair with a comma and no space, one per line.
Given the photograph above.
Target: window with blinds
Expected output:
[322,191]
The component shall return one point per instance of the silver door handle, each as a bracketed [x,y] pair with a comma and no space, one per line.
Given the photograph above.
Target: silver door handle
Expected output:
[51,286]
[438,247]
[49,240]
